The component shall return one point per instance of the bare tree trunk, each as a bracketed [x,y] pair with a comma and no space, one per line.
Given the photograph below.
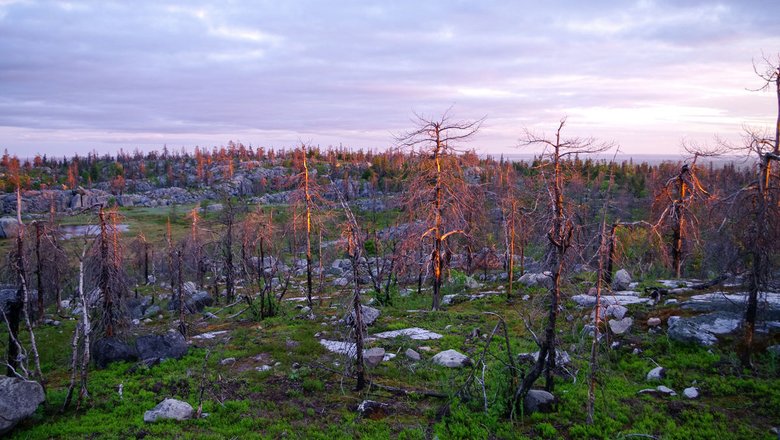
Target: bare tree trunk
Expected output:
[359,365]
[39,271]
[511,267]
[307,195]
[436,261]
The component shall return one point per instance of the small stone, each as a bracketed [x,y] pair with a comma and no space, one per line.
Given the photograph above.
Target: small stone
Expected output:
[374,356]
[656,373]
[636,351]
[136,322]
[665,390]
[147,320]
[370,408]
[411,354]
[526,297]
[305,310]
[691,392]
[209,315]
[262,368]
[654,322]
[227,361]
[615,345]
[670,301]
[425,348]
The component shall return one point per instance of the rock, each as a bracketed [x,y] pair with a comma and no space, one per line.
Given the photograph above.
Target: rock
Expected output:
[227,361]
[665,390]
[210,316]
[107,350]
[671,301]
[616,311]
[8,227]
[369,315]
[623,298]
[374,356]
[341,282]
[370,408]
[169,409]
[654,322]
[214,207]
[536,279]
[620,327]
[691,392]
[263,368]
[451,359]
[683,330]
[411,354]
[471,283]
[171,345]
[656,373]
[195,303]
[18,400]
[561,357]
[305,310]
[621,280]
[538,401]
[526,297]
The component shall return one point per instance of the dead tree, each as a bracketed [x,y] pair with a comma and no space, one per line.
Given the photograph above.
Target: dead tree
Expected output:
[677,196]
[438,193]
[355,245]
[559,236]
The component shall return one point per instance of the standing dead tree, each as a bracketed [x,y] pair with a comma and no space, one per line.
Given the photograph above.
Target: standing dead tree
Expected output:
[309,196]
[559,236]
[438,193]
[677,196]
[759,202]
[109,275]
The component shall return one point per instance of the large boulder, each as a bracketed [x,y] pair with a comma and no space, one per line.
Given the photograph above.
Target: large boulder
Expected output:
[684,330]
[171,345]
[195,302]
[169,409]
[8,227]
[621,280]
[107,350]
[137,306]
[7,297]
[18,400]
[374,356]
[536,279]
[538,401]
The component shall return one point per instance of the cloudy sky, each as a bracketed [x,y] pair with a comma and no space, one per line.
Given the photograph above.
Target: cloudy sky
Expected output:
[77,76]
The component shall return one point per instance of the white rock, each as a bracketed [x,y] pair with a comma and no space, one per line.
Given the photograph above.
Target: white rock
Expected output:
[620,327]
[416,333]
[621,280]
[691,392]
[450,358]
[656,373]
[169,409]
[654,322]
[665,390]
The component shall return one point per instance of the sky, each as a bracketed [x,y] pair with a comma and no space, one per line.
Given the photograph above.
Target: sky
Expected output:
[80,76]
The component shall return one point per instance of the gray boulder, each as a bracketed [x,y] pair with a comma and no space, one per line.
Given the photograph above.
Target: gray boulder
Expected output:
[691,392]
[195,303]
[169,409]
[369,314]
[536,279]
[171,345]
[374,356]
[683,330]
[616,311]
[621,326]
[538,401]
[18,400]
[108,350]
[621,280]
[8,227]
[411,354]
[451,359]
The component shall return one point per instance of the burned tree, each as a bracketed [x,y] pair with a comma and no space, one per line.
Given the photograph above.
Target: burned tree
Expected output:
[438,193]
[559,236]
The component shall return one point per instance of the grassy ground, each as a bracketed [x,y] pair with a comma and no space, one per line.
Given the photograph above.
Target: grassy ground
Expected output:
[306,393]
